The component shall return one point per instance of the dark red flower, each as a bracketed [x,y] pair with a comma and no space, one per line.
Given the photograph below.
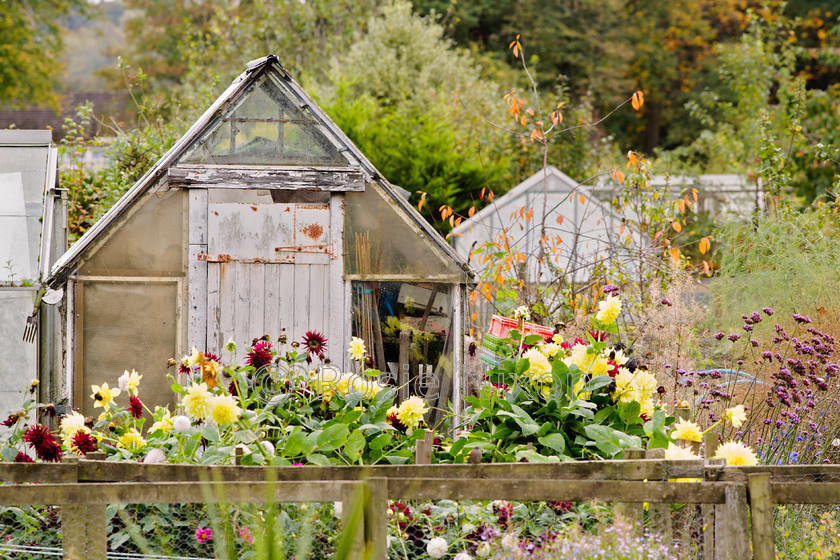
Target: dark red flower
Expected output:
[260,354]
[22,457]
[12,419]
[44,443]
[471,349]
[391,418]
[315,343]
[560,507]
[135,406]
[84,443]
[233,389]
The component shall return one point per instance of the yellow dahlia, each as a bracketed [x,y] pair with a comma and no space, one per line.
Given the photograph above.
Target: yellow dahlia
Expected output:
[197,401]
[608,310]
[687,430]
[679,453]
[736,453]
[164,424]
[130,382]
[411,411]
[224,410]
[357,349]
[131,440]
[735,415]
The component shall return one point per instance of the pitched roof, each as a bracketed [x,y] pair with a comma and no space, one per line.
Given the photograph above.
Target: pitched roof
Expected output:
[254,69]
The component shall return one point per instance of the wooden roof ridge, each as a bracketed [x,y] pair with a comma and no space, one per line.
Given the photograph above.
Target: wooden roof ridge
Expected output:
[65,265]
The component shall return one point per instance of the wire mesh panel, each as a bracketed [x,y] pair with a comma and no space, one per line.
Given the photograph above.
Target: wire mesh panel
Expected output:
[31,532]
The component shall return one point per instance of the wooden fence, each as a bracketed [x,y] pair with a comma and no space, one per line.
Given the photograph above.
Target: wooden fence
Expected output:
[736,502]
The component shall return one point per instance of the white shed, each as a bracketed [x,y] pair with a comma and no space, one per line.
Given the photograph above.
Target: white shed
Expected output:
[582,227]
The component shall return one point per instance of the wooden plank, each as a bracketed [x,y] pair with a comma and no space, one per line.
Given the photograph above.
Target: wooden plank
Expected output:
[632,512]
[805,492]
[197,217]
[660,514]
[558,490]
[197,299]
[214,309]
[302,303]
[659,470]
[791,473]
[77,348]
[38,472]
[376,519]
[404,367]
[335,333]
[350,496]
[240,294]
[319,302]
[287,297]
[263,177]
[761,516]
[732,541]
[708,532]
[271,313]
[172,492]
[255,274]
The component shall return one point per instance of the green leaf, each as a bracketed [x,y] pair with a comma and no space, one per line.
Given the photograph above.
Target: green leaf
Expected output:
[332,437]
[629,412]
[354,446]
[318,459]
[554,441]
[532,339]
[297,444]
[380,441]
[396,459]
[534,457]
[597,382]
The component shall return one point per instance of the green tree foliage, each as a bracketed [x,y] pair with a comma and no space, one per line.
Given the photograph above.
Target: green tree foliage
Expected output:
[30,39]
[396,94]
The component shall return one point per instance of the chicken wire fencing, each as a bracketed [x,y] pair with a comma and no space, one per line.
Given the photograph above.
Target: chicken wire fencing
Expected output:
[312,530]
[173,531]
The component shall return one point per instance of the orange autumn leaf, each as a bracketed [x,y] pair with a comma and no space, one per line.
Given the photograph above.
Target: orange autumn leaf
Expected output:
[638,100]
[529,214]
[705,245]
[471,211]
[560,219]
[677,226]
[675,254]
[582,199]
[618,175]
[632,161]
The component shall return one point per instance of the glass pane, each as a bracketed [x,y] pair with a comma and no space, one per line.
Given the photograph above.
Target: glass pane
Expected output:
[380,240]
[147,241]
[125,326]
[24,173]
[20,360]
[268,127]
[383,310]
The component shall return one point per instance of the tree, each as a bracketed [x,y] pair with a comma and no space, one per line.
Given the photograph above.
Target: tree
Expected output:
[30,39]
[393,93]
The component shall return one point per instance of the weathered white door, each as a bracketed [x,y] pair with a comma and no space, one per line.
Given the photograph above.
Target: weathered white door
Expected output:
[272,266]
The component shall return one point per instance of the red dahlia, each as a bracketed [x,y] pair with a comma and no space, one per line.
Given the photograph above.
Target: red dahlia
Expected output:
[135,407]
[260,354]
[44,443]
[22,457]
[315,343]
[84,443]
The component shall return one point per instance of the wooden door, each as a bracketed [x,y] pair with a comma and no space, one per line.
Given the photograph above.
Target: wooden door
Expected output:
[272,266]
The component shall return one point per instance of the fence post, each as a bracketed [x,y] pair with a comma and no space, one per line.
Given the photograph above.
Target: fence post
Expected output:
[350,493]
[660,514]
[423,448]
[708,511]
[376,519]
[761,515]
[732,540]
[633,512]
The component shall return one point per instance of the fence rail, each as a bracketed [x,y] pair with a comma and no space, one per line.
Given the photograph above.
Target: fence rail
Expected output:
[736,502]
